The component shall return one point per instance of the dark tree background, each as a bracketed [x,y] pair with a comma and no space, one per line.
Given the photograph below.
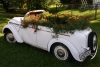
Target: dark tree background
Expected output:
[74,1]
[12,5]
[5,5]
[70,1]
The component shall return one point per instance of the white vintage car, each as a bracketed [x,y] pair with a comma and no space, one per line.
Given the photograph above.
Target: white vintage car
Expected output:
[79,45]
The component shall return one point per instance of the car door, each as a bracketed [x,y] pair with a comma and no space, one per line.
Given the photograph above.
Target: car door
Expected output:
[28,35]
[43,37]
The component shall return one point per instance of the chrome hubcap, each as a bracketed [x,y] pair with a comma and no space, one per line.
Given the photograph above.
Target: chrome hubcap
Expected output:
[10,37]
[94,42]
[60,53]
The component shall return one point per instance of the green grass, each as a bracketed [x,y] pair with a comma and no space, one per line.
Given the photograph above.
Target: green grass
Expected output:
[86,13]
[24,55]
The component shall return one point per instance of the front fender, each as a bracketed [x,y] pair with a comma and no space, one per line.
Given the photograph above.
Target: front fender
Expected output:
[75,53]
[14,31]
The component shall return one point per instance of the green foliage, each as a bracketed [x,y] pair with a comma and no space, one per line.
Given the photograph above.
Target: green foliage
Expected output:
[75,1]
[38,4]
[70,1]
[30,4]
[65,1]
[15,3]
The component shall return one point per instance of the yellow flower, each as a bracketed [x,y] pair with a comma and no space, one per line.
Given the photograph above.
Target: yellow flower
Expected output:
[44,17]
[60,16]
[65,14]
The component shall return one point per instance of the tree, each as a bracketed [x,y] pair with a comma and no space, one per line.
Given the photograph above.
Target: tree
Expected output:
[5,5]
[74,1]
[11,5]
[34,4]
[27,4]
[70,1]
[65,1]
[39,4]
[90,1]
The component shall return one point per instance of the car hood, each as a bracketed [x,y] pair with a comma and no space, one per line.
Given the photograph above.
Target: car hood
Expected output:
[16,20]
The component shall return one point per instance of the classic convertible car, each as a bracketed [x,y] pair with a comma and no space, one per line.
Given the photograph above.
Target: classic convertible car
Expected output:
[79,45]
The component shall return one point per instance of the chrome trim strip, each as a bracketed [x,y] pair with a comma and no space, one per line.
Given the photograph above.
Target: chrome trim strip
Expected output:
[13,23]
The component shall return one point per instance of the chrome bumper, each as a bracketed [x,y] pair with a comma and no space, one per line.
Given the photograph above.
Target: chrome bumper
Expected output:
[94,54]
[87,53]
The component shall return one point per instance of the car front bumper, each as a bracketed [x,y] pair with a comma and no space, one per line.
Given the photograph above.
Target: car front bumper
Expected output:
[87,53]
[94,54]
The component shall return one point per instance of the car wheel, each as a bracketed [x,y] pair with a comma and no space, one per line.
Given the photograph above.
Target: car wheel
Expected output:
[61,52]
[92,42]
[9,37]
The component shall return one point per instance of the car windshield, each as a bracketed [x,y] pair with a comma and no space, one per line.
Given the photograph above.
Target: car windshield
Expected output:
[35,12]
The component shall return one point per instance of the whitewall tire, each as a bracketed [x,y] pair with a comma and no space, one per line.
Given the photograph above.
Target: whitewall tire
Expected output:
[9,37]
[61,52]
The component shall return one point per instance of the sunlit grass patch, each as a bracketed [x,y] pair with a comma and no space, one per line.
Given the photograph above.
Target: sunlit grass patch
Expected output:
[1,34]
[86,13]
[95,21]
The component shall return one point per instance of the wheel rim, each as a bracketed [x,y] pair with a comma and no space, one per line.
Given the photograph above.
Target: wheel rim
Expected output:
[10,38]
[61,53]
[94,42]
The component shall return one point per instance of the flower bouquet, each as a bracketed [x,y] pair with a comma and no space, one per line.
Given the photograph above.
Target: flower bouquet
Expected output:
[60,23]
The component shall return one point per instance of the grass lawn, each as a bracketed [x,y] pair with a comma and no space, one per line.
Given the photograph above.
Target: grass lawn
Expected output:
[23,55]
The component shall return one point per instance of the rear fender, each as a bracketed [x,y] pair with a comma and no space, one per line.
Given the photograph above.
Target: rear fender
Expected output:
[14,31]
[75,53]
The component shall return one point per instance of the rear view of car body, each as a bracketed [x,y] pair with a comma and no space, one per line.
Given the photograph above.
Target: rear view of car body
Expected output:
[81,44]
